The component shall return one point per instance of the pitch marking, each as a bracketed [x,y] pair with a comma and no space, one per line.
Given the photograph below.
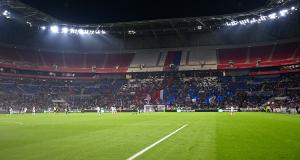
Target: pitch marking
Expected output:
[156,143]
[21,123]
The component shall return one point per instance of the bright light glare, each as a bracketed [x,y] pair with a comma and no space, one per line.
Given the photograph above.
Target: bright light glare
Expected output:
[283,12]
[29,23]
[131,32]
[6,13]
[65,30]
[80,31]
[73,31]
[54,29]
[272,16]
[43,28]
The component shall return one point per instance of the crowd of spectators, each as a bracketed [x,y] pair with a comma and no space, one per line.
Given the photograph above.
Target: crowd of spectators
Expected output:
[188,91]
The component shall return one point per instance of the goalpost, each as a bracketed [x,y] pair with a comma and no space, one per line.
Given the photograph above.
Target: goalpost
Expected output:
[154,108]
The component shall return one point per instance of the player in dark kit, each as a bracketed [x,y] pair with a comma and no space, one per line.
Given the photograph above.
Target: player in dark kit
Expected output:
[67,109]
[82,109]
[138,110]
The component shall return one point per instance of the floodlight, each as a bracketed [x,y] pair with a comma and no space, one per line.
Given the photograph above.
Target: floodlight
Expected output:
[43,28]
[80,31]
[54,29]
[6,13]
[283,12]
[131,32]
[272,16]
[73,31]
[65,30]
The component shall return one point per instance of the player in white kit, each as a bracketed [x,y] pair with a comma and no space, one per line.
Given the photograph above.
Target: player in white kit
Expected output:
[33,110]
[231,110]
[10,111]
[113,110]
[25,110]
[98,110]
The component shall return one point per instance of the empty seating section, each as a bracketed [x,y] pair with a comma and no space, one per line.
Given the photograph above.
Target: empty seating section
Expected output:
[147,59]
[31,58]
[74,60]
[270,55]
[121,60]
[195,58]
[95,60]
[67,60]
[51,59]
[9,54]
[209,56]
[236,55]
[262,53]
[297,54]
[173,57]
[183,60]
[202,56]
[162,59]
[284,51]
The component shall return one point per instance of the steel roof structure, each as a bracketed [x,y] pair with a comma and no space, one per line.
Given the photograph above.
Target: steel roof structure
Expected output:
[153,27]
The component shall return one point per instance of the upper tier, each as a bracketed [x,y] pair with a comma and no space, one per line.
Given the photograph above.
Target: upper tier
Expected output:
[196,58]
[277,54]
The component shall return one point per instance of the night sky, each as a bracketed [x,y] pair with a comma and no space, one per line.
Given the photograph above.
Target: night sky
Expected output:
[106,11]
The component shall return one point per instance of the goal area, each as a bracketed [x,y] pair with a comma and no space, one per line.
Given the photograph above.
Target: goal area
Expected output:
[154,108]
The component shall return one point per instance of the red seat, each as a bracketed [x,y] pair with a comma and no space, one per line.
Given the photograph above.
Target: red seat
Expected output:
[236,55]
[262,53]
[53,59]
[284,51]
[74,60]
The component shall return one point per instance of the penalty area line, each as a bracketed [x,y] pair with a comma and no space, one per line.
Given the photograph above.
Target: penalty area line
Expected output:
[156,143]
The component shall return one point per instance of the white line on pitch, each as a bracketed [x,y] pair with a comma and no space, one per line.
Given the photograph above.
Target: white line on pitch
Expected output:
[156,143]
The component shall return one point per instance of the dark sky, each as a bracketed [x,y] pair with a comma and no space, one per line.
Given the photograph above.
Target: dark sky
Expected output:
[104,11]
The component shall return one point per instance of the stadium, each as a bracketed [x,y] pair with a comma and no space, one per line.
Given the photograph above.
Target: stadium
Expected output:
[211,87]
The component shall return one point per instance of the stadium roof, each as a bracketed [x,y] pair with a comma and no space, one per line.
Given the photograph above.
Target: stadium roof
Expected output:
[153,27]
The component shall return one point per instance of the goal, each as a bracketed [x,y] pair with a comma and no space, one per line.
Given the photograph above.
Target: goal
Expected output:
[154,108]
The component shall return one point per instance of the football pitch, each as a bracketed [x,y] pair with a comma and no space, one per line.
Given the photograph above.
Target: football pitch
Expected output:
[196,136]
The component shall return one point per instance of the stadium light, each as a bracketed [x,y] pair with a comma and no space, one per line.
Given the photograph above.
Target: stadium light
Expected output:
[29,23]
[131,32]
[65,30]
[272,16]
[54,29]
[283,12]
[253,20]
[103,32]
[80,31]
[232,23]
[244,21]
[73,31]
[6,14]
[97,32]
[262,18]
[43,28]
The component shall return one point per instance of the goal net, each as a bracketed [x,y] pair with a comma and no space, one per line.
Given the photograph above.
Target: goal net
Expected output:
[154,108]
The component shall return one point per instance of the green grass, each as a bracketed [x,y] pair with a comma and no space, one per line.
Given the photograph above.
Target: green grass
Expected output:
[209,136]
